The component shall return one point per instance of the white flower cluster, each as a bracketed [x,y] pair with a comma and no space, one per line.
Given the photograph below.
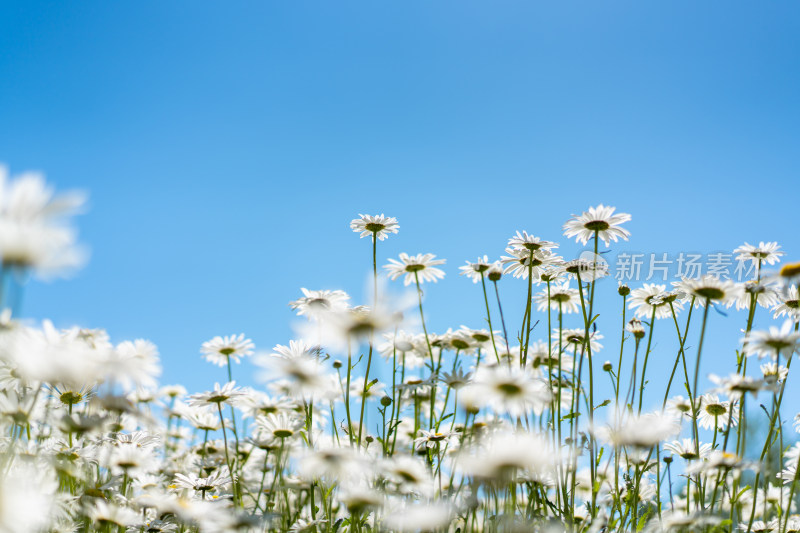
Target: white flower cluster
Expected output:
[370,422]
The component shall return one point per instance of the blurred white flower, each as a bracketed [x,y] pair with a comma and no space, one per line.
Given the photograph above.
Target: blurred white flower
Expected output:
[220,350]
[34,230]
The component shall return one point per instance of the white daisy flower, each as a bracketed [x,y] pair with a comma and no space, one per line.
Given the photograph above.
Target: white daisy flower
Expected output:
[790,304]
[477,270]
[708,289]
[638,431]
[33,226]
[651,297]
[420,267]
[762,293]
[589,266]
[715,412]
[508,390]
[599,220]
[432,438]
[520,261]
[574,338]
[281,426]
[410,517]
[529,242]
[213,483]
[228,393]
[765,253]
[687,449]
[314,303]
[374,225]
[220,350]
[736,385]
[775,341]
[561,296]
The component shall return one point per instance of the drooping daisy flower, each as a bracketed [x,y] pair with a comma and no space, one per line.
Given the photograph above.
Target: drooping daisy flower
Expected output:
[765,253]
[708,289]
[421,267]
[561,296]
[768,343]
[651,297]
[220,350]
[374,225]
[214,482]
[599,220]
[475,271]
[314,303]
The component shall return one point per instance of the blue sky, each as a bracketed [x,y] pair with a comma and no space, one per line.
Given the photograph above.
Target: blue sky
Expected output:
[226,146]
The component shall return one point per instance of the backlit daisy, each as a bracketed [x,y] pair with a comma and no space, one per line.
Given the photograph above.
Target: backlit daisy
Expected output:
[520,261]
[765,253]
[228,393]
[707,289]
[529,242]
[560,296]
[377,225]
[220,350]
[764,294]
[767,343]
[421,267]
[652,297]
[790,304]
[314,303]
[475,271]
[687,449]
[599,220]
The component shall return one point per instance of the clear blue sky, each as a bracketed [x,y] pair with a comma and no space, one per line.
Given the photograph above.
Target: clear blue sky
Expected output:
[226,145]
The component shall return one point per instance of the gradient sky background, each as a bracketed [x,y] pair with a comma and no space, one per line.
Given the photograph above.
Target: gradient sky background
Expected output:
[226,146]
